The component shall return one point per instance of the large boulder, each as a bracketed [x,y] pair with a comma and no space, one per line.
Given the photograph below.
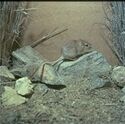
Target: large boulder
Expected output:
[88,64]
[92,66]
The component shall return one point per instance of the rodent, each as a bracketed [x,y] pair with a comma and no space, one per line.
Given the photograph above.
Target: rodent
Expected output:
[71,51]
[74,49]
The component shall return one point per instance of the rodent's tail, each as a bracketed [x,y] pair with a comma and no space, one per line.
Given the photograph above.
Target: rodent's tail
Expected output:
[58,60]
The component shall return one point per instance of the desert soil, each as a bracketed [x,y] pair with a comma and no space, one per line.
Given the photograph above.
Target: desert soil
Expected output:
[69,105]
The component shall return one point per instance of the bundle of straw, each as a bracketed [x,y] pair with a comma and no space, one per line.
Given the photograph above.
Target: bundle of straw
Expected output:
[115,23]
[12,19]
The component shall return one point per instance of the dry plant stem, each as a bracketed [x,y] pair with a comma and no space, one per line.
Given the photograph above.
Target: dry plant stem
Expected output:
[46,38]
[11,28]
[112,47]
[116,26]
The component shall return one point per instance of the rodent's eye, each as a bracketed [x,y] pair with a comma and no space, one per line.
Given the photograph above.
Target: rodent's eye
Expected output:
[86,44]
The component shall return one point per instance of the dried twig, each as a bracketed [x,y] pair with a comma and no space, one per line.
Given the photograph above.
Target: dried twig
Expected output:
[34,44]
[112,47]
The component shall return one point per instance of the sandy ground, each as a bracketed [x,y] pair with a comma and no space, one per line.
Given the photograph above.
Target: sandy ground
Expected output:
[70,105]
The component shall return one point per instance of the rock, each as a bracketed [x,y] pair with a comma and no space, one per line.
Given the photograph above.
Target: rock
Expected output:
[41,88]
[118,75]
[92,66]
[24,86]
[21,72]
[88,64]
[27,70]
[34,72]
[26,55]
[27,62]
[95,82]
[49,75]
[10,97]
[5,74]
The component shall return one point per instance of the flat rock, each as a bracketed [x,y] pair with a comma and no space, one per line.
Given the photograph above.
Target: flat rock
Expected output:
[24,86]
[92,65]
[49,76]
[25,55]
[10,97]
[87,64]
[94,82]
[34,72]
[118,75]
[27,70]
[5,74]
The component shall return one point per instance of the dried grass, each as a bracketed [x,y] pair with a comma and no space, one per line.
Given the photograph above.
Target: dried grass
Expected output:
[12,25]
[115,23]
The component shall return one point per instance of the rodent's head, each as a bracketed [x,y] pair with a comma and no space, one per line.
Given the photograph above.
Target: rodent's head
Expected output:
[76,48]
[85,46]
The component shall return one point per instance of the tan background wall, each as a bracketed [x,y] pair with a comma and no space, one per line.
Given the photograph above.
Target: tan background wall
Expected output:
[78,17]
